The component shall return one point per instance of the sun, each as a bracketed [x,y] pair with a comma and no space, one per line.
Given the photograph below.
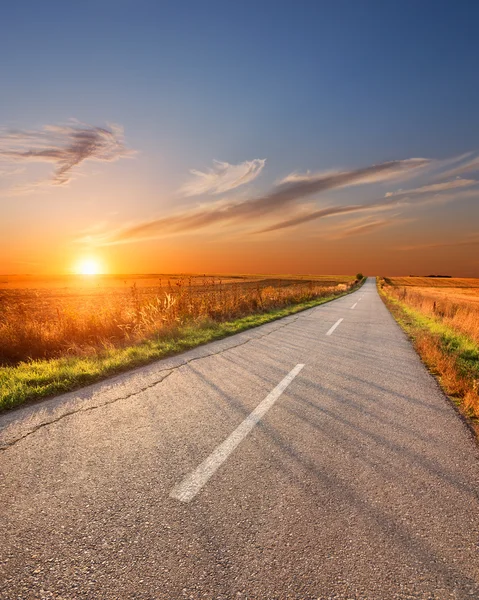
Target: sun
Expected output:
[88,266]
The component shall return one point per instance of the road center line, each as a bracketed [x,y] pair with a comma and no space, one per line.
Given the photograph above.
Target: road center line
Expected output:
[354,305]
[334,327]
[192,483]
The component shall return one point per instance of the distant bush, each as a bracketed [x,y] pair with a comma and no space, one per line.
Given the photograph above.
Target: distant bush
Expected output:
[359,276]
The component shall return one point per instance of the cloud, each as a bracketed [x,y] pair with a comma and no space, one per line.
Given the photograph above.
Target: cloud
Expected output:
[374,174]
[223,177]
[366,228]
[281,200]
[436,187]
[285,202]
[359,227]
[296,177]
[467,162]
[362,225]
[65,146]
[471,240]
[384,203]
[9,171]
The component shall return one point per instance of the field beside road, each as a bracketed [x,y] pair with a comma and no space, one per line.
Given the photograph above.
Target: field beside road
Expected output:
[61,332]
[442,317]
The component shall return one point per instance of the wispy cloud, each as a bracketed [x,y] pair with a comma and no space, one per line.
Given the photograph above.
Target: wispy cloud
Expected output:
[10,171]
[464,164]
[375,174]
[364,225]
[390,201]
[291,203]
[360,227]
[281,200]
[223,177]
[365,228]
[470,240]
[64,146]
[435,187]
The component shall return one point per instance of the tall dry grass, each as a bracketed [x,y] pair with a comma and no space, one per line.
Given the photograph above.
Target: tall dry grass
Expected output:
[434,282]
[37,325]
[454,379]
[448,343]
[461,315]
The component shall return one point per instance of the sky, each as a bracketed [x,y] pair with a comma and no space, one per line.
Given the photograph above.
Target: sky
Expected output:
[308,137]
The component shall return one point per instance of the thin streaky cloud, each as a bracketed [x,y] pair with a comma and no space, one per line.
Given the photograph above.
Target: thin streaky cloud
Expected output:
[366,228]
[65,146]
[436,187]
[10,171]
[317,214]
[471,240]
[467,162]
[366,225]
[282,198]
[361,229]
[382,204]
[286,194]
[223,177]
[394,170]
[307,176]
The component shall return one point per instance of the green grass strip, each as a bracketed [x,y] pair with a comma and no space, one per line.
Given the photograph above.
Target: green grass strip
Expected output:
[42,378]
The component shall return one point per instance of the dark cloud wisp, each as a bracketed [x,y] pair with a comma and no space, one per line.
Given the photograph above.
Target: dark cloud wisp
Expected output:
[65,146]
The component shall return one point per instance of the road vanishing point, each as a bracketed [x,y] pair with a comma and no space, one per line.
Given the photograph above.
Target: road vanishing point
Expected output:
[312,457]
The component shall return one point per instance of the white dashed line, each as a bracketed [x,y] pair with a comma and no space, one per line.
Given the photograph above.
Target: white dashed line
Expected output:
[192,483]
[354,305]
[334,327]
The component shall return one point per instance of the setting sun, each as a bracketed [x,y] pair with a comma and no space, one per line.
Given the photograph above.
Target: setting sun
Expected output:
[89,266]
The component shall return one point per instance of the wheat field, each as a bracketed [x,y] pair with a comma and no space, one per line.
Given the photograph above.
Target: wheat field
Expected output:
[80,316]
[454,301]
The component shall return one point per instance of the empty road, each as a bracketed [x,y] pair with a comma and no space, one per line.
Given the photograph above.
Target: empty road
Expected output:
[313,457]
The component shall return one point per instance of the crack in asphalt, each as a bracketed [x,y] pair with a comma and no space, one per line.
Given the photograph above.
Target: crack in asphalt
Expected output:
[7,445]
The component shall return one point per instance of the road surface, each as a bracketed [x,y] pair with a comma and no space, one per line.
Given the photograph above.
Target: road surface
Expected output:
[312,457]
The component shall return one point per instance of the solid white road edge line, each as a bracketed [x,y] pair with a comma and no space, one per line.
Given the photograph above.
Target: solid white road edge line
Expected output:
[354,305]
[334,327]
[192,483]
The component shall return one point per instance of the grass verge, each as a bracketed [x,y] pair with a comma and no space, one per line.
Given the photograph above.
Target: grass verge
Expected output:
[449,355]
[38,379]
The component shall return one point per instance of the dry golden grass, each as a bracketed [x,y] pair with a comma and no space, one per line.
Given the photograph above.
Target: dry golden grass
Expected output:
[452,377]
[73,283]
[434,282]
[443,321]
[64,317]
[456,306]
[467,295]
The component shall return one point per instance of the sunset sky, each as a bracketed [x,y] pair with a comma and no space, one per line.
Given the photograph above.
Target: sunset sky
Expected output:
[252,137]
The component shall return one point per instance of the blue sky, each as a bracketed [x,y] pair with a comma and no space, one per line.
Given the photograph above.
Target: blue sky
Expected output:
[308,86]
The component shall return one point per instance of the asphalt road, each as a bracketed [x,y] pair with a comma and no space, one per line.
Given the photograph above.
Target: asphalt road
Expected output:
[303,459]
